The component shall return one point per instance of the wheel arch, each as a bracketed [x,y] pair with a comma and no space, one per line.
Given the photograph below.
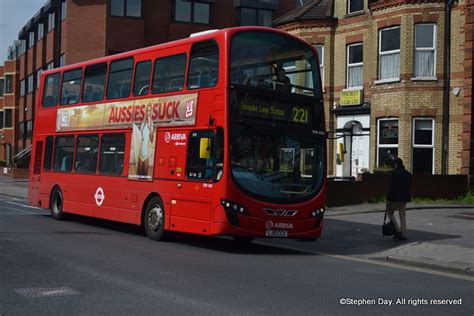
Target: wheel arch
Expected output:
[145,203]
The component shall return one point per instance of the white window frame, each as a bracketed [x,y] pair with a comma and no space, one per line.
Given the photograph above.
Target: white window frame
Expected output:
[62,60]
[30,80]
[31,39]
[354,65]
[22,88]
[390,52]
[321,63]
[51,21]
[354,12]
[63,10]
[38,78]
[8,78]
[5,118]
[378,137]
[424,145]
[40,31]
[425,49]
[22,47]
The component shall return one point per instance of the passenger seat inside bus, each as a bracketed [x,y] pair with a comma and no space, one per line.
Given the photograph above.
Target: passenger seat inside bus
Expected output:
[66,164]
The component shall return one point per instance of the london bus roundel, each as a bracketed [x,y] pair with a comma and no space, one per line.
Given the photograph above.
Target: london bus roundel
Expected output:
[99,196]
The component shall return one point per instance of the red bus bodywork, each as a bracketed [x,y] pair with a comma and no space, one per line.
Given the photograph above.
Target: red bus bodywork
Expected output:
[190,206]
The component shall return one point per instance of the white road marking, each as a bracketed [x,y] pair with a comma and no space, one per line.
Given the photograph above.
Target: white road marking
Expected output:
[17,211]
[380,263]
[23,205]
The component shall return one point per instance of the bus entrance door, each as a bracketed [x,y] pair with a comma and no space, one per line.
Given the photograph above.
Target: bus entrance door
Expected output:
[190,205]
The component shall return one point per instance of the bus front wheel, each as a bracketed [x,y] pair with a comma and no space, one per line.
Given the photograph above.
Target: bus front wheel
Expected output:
[56,204]
[154,220]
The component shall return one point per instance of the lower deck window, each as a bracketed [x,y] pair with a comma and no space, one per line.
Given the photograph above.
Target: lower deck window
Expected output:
[112,154]
[63,153]
[86,153]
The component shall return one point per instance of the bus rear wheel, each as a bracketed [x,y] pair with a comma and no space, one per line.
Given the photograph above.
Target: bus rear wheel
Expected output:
[154,220]
[56,204]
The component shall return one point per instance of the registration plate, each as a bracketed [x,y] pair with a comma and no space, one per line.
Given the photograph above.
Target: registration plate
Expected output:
[276,233]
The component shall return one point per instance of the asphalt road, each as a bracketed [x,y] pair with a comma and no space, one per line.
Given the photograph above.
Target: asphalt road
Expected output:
[87,267]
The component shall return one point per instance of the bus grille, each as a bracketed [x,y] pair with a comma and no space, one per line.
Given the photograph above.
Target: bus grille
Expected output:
[38,157]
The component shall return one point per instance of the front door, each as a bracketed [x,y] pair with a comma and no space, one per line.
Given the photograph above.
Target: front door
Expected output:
[354,134]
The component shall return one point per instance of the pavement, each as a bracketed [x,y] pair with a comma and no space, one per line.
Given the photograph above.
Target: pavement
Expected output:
[440,237]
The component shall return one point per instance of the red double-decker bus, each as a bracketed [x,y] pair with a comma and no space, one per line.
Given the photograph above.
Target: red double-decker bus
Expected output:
[221,133]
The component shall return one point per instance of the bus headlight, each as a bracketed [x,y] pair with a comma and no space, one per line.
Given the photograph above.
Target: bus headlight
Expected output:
[233,207]
[318,212]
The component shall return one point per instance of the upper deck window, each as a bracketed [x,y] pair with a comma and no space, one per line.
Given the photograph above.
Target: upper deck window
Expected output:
[120,79]
[71,86]
[141,84]
[169,73]
[270,61]
[94,82]
[51,90]
[203,65]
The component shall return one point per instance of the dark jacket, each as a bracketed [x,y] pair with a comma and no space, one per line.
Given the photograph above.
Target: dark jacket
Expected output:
[400,186]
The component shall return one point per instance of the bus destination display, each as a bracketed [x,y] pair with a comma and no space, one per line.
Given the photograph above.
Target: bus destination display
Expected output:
[300,114]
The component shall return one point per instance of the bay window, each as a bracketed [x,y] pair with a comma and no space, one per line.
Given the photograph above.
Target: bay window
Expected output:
[425,50]
[423,145]
[387,141]
[389,54]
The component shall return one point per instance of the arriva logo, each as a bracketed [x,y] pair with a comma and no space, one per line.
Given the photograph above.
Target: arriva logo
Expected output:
[174,137]
[270,225]
[283,226]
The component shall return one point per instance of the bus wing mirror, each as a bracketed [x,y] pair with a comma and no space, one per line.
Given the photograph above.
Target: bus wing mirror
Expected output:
[205,148]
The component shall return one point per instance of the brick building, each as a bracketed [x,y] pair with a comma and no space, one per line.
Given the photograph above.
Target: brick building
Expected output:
[397,80]
[8,111]
[71,31]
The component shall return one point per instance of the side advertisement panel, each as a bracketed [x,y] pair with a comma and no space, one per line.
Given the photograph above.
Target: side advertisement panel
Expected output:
[177,110]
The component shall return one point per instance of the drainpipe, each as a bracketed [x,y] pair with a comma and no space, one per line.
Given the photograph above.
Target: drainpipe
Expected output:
[447,86]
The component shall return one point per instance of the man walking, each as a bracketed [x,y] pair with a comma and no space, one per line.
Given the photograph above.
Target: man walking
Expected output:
[399,194]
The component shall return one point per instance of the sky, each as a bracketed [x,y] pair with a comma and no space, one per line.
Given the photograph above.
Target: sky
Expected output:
[13,16]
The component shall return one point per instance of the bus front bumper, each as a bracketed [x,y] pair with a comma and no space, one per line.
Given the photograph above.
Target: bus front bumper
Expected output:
[240,225]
